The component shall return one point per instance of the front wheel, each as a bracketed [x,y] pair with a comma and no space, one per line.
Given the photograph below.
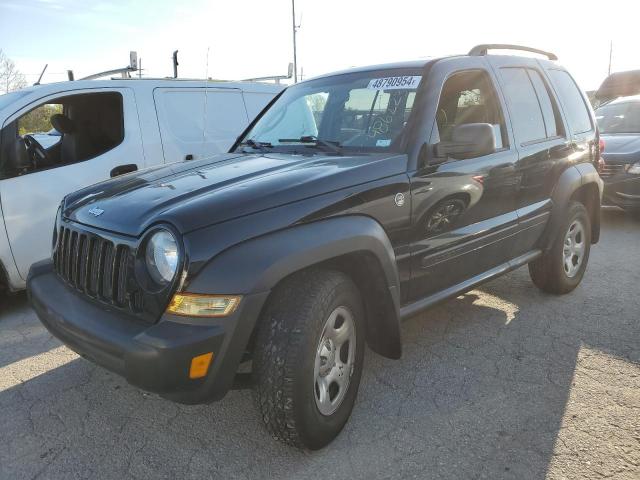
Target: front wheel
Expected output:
[561,269]
[308,357]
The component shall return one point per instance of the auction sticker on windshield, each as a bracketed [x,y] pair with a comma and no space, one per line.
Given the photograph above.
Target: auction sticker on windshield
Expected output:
[395,83]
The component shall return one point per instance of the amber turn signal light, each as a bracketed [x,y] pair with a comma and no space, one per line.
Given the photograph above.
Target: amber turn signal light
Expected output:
[200,365]
[197,305]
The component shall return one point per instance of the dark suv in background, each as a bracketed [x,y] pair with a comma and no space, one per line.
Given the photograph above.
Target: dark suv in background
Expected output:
[619,123]
[353,201]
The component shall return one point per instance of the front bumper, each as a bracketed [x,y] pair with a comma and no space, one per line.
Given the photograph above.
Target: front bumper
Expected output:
[622,191]
[154,357]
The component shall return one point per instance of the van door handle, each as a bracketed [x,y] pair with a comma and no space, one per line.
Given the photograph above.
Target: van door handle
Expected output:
[122,169]
[188,156]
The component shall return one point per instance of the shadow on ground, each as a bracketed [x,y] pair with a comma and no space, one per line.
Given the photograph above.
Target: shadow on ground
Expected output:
[503,382]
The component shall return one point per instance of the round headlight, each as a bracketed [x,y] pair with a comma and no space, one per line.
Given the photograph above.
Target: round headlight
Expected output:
[162,256]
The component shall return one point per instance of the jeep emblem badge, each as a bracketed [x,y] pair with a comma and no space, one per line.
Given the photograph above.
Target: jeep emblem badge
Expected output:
[96,212]
[399,199]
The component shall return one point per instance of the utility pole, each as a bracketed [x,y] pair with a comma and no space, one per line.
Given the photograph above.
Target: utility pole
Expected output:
[295,28]
[610,55]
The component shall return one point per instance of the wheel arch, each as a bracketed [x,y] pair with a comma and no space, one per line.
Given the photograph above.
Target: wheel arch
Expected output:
[589,195]
[4,279]
[578,183]
[356,245]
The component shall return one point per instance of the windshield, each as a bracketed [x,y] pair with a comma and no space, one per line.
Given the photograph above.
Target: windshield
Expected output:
[357,112]
[619,118]
[9,98]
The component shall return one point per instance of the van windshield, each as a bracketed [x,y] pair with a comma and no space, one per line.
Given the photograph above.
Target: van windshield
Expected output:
[355,112]
[619,118]
[9,98]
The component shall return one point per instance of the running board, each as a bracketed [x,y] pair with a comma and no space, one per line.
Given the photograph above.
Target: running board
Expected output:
[412,309]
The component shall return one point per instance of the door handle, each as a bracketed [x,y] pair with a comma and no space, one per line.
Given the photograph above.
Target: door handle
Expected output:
[188,156]
[122,169]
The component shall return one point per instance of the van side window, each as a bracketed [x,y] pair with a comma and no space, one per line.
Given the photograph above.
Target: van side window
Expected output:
[61,132]
[469,97]
[572,101]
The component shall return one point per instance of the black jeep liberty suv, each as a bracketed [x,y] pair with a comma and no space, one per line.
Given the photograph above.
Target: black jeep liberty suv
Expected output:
[353,201]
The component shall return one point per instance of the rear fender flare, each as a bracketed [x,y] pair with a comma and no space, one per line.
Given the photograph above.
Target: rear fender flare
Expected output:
[571,180]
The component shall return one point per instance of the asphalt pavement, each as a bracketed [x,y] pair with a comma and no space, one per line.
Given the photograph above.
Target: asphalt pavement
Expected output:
[502,382]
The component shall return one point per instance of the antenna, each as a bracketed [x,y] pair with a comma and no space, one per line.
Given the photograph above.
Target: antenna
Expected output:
[70,75]
[175,64]
[295,29]
[204,113]
[610,55]
[40,77]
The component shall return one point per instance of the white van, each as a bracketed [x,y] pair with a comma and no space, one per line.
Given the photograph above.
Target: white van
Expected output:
[57,138]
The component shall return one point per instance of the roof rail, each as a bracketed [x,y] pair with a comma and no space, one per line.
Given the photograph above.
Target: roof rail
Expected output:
[481,50]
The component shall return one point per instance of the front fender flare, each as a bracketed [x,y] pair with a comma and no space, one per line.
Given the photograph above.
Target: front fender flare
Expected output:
[259,264]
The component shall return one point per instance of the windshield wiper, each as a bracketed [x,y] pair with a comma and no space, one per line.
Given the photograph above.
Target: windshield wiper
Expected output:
[262,146]
[332,146]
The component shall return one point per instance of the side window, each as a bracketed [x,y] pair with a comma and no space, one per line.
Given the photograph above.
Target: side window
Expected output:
[524,107]
[61,132]
[550,113]
[469,97]
[572,101]
[38,123]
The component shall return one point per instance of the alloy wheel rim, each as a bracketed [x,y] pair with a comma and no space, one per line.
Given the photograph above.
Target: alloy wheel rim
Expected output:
[335,361]
[573,249]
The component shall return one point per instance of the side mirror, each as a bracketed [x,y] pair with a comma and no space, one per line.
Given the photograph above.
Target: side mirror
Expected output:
[467,141]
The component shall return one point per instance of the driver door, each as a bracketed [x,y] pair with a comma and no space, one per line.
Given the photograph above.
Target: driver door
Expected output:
[30,192]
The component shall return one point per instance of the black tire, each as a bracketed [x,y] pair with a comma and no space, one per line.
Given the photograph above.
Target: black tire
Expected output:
[548,272]
[287,341]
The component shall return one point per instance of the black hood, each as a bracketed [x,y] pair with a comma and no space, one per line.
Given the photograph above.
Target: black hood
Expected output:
[192,195]
[621,148]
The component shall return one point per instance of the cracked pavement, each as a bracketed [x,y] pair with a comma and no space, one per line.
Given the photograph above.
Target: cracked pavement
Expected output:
[503,382]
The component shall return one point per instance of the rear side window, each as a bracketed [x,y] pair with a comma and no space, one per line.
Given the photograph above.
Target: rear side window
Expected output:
[526,114]
[572,101]
[195,122]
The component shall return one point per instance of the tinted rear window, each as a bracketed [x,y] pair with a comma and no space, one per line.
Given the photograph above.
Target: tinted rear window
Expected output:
[572,101]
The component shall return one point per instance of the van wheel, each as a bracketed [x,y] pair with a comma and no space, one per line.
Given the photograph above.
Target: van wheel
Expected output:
[561,269]
[308,357]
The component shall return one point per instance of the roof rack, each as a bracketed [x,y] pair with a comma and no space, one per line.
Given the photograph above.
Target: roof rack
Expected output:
[481,50]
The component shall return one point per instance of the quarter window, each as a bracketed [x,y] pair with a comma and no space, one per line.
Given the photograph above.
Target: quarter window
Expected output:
[572,101]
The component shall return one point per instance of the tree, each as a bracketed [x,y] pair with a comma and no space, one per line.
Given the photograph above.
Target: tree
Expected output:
[10,77]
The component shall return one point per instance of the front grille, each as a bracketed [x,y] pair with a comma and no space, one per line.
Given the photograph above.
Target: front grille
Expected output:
[93,265]
[609,170]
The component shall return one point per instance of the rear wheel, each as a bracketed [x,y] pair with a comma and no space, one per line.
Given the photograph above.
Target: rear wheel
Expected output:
[308,357]
[561,269]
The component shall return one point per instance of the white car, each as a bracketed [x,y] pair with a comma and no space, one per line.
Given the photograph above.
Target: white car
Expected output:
[107,128]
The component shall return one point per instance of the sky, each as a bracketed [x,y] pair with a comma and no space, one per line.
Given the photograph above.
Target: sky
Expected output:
[252,38]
